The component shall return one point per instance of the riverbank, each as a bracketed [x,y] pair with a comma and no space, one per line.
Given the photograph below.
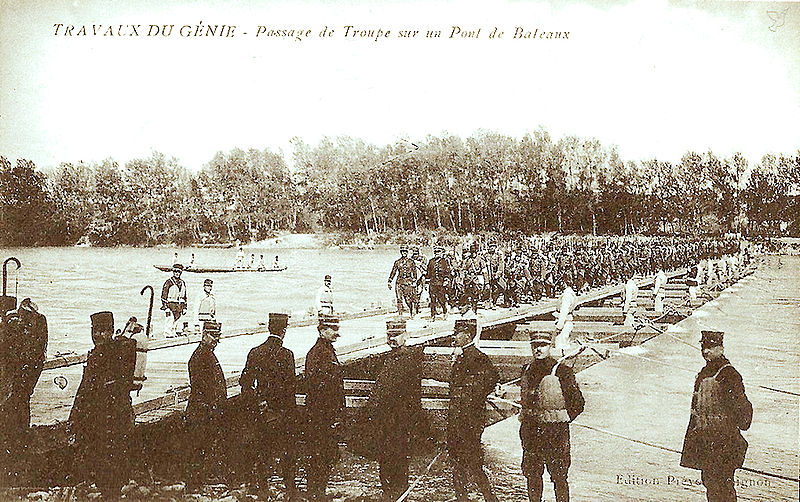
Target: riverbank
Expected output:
[329,239]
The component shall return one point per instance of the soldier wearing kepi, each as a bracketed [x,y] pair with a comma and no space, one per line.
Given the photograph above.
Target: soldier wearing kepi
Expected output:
[268,384]
[204,408]
[472,378]
[419,287]
[395,409]
[173,300]
[720,409]
[551,399]
[495,272]
[101,418]
[207,306]
[406,285]
[439,276]
[324,404]
[324,300]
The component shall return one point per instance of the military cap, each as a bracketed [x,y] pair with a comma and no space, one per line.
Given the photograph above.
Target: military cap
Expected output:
[208,282]
[102,322]
[403,247]
[177,266]
[330,321]
[277,321]
[710,338]
[468,325]
[395,327]
[540,338]
[7,303]
[327,277]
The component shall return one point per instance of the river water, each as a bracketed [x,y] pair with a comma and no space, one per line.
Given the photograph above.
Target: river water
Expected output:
[70,283]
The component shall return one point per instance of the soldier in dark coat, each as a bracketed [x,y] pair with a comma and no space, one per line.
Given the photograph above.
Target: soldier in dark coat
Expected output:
[102,413]
[439,276]
[325,404]
[24,349]
[395,410]
[406,285]
[551,399]
[472,378]
[495,274]
[473,268]
[720,409]
[205,408]
[268,384]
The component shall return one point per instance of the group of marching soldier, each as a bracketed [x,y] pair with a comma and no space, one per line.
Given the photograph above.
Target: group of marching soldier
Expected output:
[268,425]
[525,270]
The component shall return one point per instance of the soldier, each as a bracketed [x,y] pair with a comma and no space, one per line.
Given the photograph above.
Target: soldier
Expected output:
[324,404]
[473,269]
[395,409]
[720,409]
[25,351]
[405,288]
[101,419]
[324,301]
[207,306]
[472,378]
[268,384]
[422,266]
[204,409]
[495,272]
[551,399]
[439,275]
[173,300]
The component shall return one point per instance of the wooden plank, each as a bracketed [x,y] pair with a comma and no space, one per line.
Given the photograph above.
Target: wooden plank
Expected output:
[167,361]
[650,402]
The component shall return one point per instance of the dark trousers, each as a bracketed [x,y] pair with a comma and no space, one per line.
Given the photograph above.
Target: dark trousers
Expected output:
[405,294]
[438,295]
[462,472]
[719,485]
[538,290]
[512,293]
[546,445]
[471,296]
[277,439]
[495,290]
[324,453]
[466,455]
[202,432]
[394,476]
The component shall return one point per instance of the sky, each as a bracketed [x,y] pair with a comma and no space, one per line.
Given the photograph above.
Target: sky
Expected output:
[653,77]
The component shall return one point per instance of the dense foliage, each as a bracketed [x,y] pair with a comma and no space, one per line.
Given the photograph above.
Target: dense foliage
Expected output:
[488,182]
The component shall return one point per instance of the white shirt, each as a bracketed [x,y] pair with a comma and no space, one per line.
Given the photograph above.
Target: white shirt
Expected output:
[324,300]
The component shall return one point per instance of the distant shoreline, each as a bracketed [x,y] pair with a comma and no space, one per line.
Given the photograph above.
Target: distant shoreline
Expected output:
[355,241]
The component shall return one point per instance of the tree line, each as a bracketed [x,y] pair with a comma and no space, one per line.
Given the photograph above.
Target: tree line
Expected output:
[486,182]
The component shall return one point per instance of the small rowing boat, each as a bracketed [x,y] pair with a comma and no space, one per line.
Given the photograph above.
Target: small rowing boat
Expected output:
[219,270]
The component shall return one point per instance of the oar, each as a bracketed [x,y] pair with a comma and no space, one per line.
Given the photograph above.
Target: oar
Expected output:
[5,271]
[150,310]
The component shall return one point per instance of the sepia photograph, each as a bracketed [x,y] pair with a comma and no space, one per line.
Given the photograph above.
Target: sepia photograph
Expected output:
[432,251]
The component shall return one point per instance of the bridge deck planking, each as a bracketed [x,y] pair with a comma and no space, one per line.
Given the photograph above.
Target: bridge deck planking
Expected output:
[167,367]
[651,402]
